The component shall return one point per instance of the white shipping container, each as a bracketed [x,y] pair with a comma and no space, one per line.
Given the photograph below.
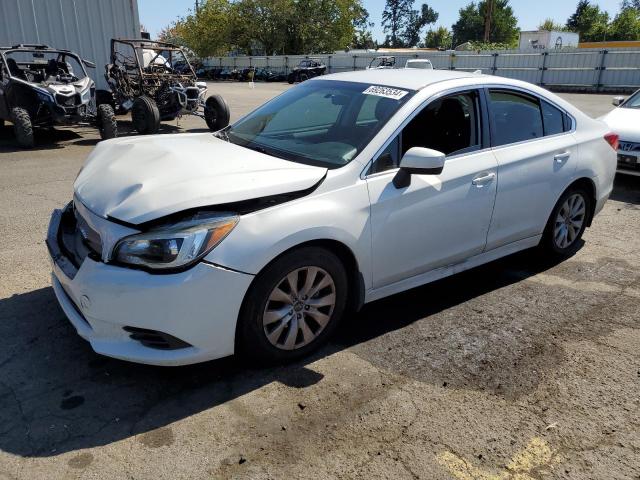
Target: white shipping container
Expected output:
[548,40]
[83,26]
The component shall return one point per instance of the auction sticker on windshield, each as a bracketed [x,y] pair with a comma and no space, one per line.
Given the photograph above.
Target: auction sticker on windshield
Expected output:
[386,92]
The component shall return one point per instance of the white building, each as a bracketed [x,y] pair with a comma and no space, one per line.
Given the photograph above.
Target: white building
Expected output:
[548,40]
[83,26]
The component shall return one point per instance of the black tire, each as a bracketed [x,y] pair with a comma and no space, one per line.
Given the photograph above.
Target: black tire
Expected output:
[291,78]
[303,77]
[216,113]
[107,123]
[145,115]
[22,127]
[552,242]
[251,339]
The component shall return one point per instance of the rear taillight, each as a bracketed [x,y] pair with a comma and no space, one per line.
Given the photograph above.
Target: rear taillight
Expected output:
[613,139]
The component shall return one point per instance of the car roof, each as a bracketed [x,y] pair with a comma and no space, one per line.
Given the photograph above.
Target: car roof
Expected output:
[409,79]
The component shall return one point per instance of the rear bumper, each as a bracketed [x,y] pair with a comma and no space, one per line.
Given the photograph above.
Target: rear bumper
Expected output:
[199,306]
[629,163]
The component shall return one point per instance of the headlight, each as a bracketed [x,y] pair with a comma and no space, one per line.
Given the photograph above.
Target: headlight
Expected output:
[176,246]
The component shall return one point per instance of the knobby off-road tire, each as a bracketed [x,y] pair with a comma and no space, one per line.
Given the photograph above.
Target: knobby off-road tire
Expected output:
[107,123]
[216,113]
[145,115]
[22,127]
[567,223]
[292,307]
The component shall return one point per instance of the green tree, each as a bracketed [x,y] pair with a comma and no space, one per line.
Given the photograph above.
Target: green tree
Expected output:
[589,21]
[394,20]
[362,36]
[626,25]
[416,22]
[471,23]
[550,25]
[438,38]
[206,32]
[630,4]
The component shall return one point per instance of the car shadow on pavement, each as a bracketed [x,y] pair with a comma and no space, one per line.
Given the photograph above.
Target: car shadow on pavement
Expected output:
[57,395]
[626,189]
[45,139]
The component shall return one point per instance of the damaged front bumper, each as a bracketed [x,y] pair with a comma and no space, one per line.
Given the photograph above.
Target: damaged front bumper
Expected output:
[158,319]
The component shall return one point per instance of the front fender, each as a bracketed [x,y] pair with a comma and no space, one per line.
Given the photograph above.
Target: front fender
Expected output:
[339,215]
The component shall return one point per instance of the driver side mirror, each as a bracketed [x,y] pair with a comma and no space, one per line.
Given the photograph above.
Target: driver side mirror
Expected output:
[88,63]
[617,101]
[418,161]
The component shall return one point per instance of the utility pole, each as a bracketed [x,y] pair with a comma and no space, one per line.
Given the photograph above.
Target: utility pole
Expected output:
[197,7]
[487,20]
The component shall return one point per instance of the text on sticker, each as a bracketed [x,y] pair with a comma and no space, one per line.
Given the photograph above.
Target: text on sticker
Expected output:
[386,92]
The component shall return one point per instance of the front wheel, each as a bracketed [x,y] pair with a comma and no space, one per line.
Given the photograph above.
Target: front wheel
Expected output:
[22,127]
[216,113]
[567,223]
[293,306]
[145,115]
[107,123]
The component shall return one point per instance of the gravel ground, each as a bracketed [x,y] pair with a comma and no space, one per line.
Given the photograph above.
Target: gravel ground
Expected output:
[519,369]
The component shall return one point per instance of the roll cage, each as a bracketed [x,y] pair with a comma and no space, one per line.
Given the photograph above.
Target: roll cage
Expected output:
[18,75]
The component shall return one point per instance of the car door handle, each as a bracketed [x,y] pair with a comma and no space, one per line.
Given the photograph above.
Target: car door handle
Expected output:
[483,179]
[562,157]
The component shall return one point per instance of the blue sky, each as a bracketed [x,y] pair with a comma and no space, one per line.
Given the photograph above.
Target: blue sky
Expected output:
[155,14]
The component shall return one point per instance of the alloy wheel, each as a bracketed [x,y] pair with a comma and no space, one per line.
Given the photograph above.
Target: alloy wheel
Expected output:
[299,308]
[569,221]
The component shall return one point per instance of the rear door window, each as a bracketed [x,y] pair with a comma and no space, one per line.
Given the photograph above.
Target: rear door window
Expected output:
[515,117]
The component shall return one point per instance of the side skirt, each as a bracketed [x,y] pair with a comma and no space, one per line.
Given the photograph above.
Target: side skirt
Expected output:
[442,272]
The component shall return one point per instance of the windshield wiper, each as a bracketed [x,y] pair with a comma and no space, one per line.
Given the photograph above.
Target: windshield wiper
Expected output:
[223,134]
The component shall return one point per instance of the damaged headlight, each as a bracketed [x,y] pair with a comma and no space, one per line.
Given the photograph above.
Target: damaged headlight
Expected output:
[178,245]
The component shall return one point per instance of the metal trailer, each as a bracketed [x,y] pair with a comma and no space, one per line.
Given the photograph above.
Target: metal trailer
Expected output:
[82,26]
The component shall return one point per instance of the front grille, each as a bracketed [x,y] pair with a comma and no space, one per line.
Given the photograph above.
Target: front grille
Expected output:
[192,93]
[77,239]
[628,162]
[155,339]
[68,101]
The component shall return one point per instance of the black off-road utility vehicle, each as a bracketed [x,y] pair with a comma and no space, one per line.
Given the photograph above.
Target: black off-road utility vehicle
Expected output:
[382,63]
[42,86]
[308,68]
[155,81]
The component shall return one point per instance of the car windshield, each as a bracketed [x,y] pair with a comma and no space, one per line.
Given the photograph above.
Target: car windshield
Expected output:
[44,66]
[633,101]
[319,122]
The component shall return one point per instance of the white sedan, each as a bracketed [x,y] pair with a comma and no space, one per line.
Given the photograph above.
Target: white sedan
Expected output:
[625,121]
[343,190]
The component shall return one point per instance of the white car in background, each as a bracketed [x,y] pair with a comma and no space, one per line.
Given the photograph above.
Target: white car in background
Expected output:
[343,190]
[625,121]
[419,63]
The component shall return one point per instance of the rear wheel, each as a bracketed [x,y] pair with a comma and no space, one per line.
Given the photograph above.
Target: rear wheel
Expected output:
[293,305]
[291,78]
[216,113]
[22,127]
[107,123]
[567,223]
[303,77]
[145,115]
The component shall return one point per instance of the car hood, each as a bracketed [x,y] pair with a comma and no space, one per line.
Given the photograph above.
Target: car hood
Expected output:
[625,122]
[135,180]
